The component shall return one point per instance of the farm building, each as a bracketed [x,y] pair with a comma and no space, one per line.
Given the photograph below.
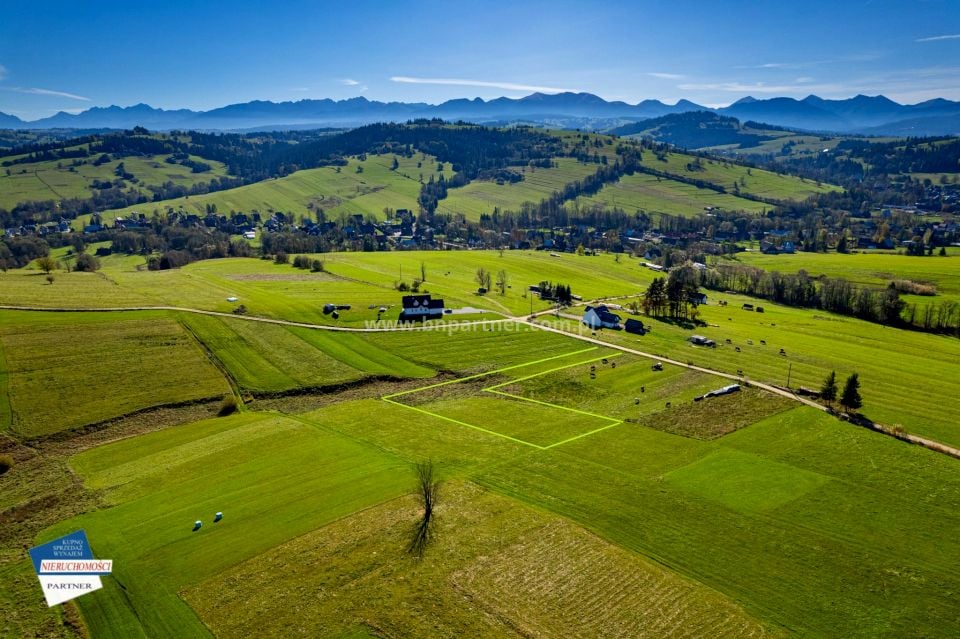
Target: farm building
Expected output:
[421,307]
[600,317]
[634,326]
[726,390]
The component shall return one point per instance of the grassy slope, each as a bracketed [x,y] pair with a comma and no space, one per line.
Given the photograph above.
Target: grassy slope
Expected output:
[305,191]
[756,181]
[815,342]
[791,517]
[498,569]
[652,195]
[787,517]
[263,472]
[67,371]
[870,269]
[481,197]
[894,365]
[44,181]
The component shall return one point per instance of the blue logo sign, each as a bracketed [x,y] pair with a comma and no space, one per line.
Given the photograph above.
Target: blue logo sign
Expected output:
[67,569]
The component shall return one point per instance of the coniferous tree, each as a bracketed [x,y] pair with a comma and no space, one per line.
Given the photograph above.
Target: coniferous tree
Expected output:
[828,392]
[851,399]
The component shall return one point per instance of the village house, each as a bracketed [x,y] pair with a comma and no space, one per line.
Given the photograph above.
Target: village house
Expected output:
[600,317]
[420,307]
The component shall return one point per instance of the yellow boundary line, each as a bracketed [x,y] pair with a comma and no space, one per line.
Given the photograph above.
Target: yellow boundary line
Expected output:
[493,390]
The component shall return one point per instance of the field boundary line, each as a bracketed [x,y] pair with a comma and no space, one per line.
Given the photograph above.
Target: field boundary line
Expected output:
[459,423]
[487,373]
[582,435]
[492,390]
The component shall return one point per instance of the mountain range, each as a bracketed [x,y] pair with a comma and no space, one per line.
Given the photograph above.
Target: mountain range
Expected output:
[876,115]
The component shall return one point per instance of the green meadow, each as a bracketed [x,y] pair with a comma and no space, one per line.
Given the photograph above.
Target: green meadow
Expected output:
[653,195]
[482,197]
[66,371]
[57,180]
[873,269]
[790,507]
[361,187]
[894,365]
[758,182]
[584,493]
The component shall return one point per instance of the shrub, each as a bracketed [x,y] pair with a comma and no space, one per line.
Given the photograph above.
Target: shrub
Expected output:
[302,261]
[910,287]
[86,263]
[317,266]
[6,463]
[228,406]
[281,258]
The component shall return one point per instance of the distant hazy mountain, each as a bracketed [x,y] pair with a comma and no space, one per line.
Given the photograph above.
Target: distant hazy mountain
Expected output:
[10,121]
[877,115]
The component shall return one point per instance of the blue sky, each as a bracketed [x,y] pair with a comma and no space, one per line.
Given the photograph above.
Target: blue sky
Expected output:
[57,55]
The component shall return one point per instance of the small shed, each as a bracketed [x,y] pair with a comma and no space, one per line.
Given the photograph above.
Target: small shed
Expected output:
[634,326]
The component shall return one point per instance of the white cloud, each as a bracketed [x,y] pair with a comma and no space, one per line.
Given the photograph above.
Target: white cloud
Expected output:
[509,86]
[756,87]
[300,89]
[954,36]
[666,76]
[349,82]
[58,94]
[771,65]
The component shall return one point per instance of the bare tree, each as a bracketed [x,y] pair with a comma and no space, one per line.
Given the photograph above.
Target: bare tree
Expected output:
[483,278]
[502,281]
[428,489]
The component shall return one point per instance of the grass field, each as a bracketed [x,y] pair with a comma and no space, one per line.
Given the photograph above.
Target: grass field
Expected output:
[263,472]
[870,269]
[653,195]
[894,365]
[585,494]
[788,522]
[480,197]
[65,371]
[359,279]
[759,182]
[271,358]
[507,571]
[770,516]
[48,181]
[302,193]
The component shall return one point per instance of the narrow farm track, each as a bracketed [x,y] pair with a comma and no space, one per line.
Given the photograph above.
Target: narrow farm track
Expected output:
[525,319]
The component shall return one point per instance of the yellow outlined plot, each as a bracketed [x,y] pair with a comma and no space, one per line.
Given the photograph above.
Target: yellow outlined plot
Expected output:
[494,390]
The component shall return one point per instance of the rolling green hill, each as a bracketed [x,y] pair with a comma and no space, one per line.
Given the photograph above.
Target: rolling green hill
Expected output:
[57,180]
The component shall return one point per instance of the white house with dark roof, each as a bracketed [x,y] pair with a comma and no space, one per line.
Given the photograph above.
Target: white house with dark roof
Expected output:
[600,317]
